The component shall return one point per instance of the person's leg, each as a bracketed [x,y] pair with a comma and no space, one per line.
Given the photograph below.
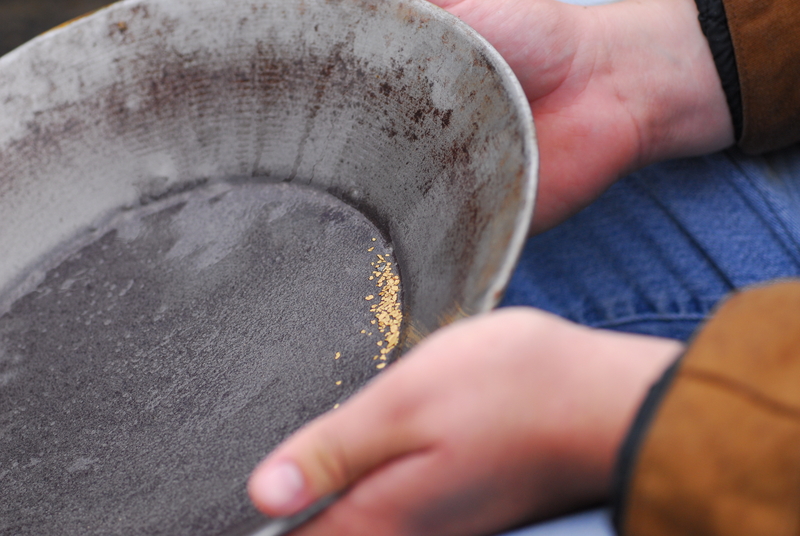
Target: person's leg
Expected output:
[590,523]
[657,252]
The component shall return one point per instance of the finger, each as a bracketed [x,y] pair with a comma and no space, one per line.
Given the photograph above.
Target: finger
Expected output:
[382,502]
[445,489]
[334,451]
[434,492]
[446,4]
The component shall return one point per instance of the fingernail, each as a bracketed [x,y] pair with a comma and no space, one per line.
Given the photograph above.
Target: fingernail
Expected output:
[280,486]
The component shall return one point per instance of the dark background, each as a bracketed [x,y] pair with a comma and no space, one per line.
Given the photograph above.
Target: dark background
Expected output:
[21,20]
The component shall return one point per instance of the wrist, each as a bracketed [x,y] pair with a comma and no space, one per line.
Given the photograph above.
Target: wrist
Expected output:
[665,75]
[597,381]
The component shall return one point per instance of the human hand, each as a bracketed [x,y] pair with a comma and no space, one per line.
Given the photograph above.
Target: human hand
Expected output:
[612,88]
[490,422]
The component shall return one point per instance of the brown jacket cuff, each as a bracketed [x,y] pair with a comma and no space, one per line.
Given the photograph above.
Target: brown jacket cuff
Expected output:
[766,44]
[714,450]
[756,48]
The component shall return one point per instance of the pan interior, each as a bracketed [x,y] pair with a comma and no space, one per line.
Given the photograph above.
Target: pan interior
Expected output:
[161,355]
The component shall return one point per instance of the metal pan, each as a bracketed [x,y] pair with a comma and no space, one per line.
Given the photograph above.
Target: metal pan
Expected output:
[219,220]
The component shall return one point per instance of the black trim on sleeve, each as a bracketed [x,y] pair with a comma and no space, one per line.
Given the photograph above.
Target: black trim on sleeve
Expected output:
[628,454]
[714,23]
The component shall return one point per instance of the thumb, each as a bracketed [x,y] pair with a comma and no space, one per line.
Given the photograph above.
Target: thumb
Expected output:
[445,4]
[330,454]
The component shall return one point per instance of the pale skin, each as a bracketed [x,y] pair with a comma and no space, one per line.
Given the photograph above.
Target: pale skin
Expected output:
[517,415]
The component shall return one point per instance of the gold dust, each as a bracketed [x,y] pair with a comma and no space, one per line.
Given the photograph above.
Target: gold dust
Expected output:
[363,331]
[339,382]
[338,355]
[336,406]
[371,249]
[380,366]
[370,297]
[388,314]
[374,239]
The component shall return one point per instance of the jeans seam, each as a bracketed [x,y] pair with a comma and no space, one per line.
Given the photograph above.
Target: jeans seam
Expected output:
[768,203]
[690,238]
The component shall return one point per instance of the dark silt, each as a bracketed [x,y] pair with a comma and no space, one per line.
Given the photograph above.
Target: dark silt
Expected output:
[150,370]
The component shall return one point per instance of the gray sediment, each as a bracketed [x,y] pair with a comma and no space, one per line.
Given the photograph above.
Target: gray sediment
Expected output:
[146,375]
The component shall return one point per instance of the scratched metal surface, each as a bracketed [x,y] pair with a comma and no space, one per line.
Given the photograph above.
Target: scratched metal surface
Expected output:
[395,107]
[392,110]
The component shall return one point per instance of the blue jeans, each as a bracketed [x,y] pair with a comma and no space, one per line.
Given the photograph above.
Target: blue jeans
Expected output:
[658,251]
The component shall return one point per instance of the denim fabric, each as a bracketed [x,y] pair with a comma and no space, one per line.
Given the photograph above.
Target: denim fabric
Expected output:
[661,247]
[591,523]
[658,251]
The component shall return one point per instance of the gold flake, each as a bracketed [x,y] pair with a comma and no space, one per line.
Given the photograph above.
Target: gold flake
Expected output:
[339,382]
[371,249]
[336,406]
[370,297]
[388,314]
[380,366]
[338,355]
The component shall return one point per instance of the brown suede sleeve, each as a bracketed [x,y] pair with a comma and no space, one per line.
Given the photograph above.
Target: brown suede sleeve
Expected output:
[721,456]
[766,42]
